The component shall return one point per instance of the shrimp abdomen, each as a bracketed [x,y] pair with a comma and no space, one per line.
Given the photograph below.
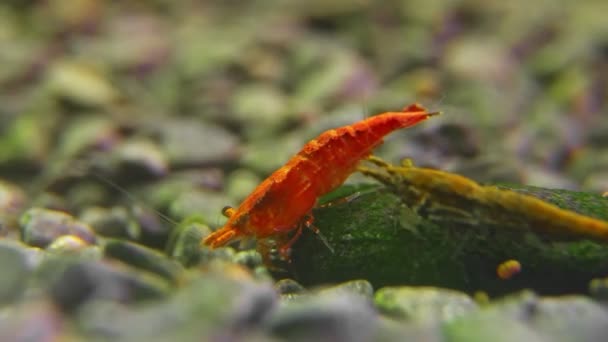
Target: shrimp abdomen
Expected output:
[338,151]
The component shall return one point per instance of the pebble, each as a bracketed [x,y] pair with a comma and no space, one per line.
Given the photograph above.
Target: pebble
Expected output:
[40,227]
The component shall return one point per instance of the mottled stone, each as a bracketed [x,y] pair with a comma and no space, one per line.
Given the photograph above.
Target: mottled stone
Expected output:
[39,227]
[423,303]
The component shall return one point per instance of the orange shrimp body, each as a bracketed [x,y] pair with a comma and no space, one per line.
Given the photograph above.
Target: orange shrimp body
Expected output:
[282,200]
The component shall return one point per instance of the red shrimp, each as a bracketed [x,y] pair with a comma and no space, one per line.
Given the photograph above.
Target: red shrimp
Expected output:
[284,200]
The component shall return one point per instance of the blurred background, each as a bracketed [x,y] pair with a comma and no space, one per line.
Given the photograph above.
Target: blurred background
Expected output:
[190,104]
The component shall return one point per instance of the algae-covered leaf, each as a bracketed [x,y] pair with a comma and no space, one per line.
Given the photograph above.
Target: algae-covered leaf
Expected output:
[379,237]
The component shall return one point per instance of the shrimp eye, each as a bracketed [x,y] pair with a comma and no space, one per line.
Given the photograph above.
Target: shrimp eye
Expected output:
[228,211]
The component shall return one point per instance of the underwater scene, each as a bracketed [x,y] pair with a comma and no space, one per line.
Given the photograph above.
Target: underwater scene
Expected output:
[347,170]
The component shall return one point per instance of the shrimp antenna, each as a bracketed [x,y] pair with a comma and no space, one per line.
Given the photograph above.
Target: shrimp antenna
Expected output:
[366,112]
[325,242]
[129,195]
[443,97]
[441,100]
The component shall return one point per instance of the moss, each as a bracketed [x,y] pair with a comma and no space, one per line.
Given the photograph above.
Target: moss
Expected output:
[372,241]
[378,238]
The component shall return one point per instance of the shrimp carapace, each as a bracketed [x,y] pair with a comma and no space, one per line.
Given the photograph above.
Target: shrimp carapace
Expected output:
[280,203]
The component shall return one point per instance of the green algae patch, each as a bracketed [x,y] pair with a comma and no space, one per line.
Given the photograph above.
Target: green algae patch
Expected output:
[403,235]
[377,238]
